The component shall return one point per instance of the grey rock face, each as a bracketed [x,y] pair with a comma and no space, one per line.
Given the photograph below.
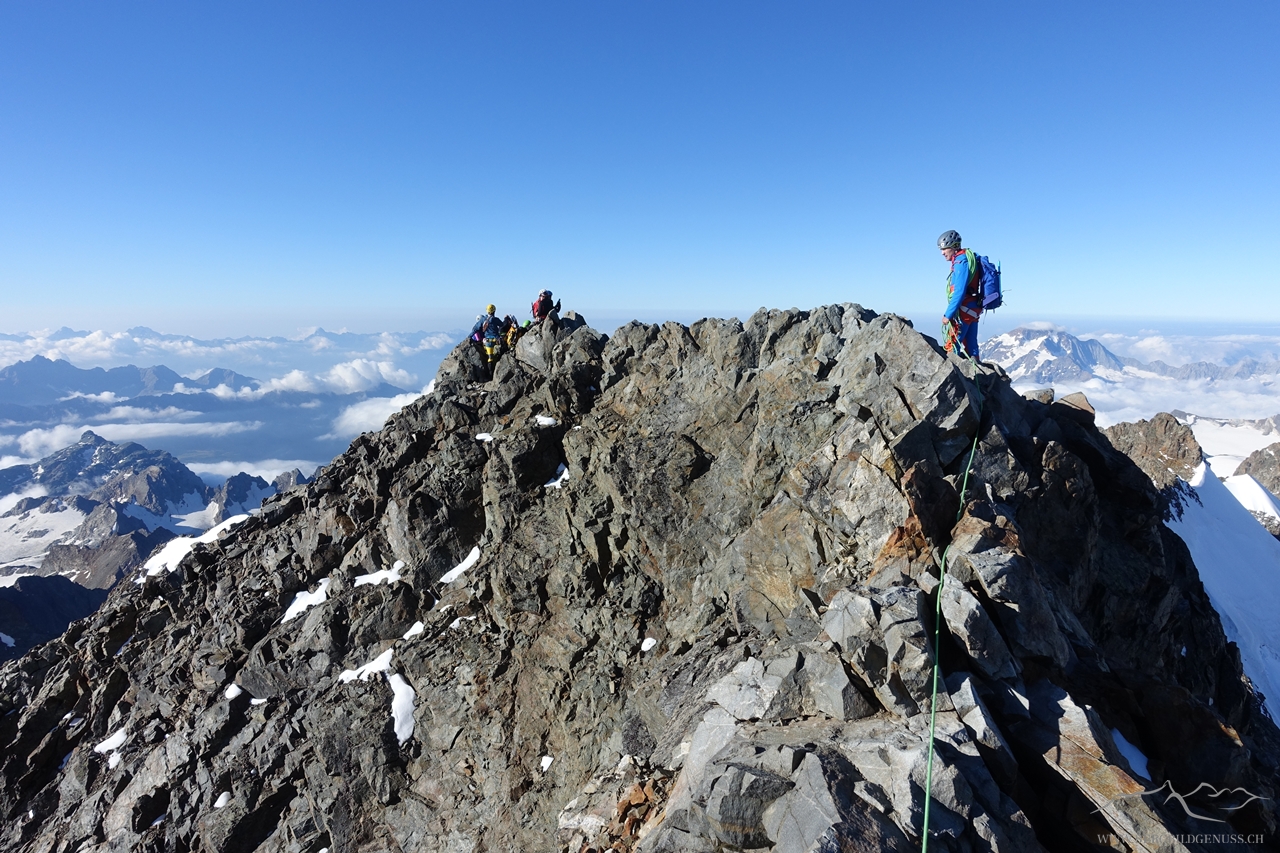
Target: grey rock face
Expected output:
[970,625]
[677,589]
[1165,449]
[286,481]
[244,493]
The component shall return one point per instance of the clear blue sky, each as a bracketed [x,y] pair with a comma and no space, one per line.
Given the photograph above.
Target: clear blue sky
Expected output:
[235,167]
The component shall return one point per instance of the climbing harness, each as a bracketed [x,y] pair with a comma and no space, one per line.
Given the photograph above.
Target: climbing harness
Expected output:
[937,619]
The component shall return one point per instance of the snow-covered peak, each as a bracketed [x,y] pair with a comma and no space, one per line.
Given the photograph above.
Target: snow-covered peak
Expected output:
[1047,356]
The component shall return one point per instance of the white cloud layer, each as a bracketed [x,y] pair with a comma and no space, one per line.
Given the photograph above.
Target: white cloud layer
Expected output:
[362,375]
[37,443]
[267,469]
[1140,399]
[316,351]
[350,377]
[9,501]
[1180,349]
[369,415]
[135,414]
[104,397]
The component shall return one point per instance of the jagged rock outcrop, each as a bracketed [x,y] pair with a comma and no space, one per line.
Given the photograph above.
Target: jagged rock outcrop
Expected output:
[671,590]
[1269,522]
[1166,450]
[101,563]
[243,493]
[1264,466]
[286,481]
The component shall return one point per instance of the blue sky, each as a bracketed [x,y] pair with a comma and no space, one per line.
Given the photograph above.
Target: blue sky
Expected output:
[249,168]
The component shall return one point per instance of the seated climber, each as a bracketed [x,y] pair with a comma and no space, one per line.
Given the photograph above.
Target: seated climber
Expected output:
[542,307]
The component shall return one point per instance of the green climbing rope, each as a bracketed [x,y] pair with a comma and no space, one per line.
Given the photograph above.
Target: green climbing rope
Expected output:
[937,630]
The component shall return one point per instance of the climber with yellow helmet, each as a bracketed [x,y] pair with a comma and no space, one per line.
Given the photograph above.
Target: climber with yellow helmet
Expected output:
[489,331]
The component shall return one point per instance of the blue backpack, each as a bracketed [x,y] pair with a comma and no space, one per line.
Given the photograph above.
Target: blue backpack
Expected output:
[987,283]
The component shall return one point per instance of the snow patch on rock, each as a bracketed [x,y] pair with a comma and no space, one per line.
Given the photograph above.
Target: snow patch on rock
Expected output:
[402,697]
[460,569]
[305,600]
[111,744]
[169,556]
[382,663]
[387,576]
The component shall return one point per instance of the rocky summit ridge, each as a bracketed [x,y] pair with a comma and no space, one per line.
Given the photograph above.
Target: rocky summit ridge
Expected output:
[667,590]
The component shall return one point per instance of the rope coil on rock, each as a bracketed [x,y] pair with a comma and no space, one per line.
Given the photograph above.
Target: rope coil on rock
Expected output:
[937,624]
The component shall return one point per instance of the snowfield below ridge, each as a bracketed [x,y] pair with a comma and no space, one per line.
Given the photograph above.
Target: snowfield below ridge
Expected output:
[1239,564]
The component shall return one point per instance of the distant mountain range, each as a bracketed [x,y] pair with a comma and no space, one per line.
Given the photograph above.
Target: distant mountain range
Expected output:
[1127,389]
[42,382]
[82,503]
[1049,356]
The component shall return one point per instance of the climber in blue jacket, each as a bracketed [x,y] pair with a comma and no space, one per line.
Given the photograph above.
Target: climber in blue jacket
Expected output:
[964,298]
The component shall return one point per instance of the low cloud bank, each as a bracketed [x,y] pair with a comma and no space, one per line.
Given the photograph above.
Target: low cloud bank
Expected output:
[37,443]
[370,415]
[267,469]
[1179,349]
[1137,399]
[316,351]
[351,377]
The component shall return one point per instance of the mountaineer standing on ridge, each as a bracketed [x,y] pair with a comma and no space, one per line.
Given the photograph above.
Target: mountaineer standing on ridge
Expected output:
[972,286]
[488,332]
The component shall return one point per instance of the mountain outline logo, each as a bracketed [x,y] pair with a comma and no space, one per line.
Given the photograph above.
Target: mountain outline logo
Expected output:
[1214,793]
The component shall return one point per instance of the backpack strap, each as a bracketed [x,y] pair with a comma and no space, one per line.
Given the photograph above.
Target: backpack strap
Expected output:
[973,287]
